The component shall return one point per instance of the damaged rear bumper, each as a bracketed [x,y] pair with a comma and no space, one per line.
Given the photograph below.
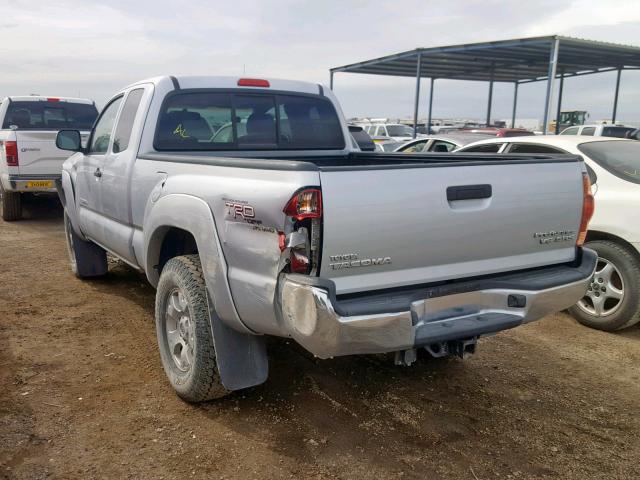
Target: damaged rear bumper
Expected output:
[399,320]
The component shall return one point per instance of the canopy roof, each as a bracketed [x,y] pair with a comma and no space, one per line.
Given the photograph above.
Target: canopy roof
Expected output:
[520,60]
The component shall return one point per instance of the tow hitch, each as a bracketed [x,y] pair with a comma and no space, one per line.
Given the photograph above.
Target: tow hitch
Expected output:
[459,348]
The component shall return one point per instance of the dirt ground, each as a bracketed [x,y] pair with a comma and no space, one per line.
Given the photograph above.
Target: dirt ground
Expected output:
[83,394]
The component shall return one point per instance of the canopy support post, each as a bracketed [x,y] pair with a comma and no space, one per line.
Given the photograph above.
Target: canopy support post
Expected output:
[559,111]
[490,101]
[551,76]
[331,80]
[515,103]
[430,106]
[615,98]
[417,100]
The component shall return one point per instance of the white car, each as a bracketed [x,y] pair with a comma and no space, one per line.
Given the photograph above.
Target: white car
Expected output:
[395,132]
[612,301]
[30,162]
[436,143]
[599,130]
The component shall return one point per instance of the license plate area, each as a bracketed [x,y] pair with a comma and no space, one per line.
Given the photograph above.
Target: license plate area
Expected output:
[39,184]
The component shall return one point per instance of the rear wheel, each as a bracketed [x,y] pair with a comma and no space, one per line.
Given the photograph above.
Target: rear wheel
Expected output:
[87,259]
[612,301]
[184,332]
[11,205]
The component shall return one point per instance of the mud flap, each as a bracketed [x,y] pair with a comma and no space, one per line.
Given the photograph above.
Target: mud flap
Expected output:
[241,358]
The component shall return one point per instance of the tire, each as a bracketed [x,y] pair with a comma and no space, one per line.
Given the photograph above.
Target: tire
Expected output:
[612,301]
[87,259]
[11,205]
[184,332]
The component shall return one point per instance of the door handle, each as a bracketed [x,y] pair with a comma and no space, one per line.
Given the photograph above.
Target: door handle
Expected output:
[469,192]
[97,173]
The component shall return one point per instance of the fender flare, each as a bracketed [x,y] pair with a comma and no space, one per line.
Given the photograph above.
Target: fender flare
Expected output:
[67,195]
[240,354]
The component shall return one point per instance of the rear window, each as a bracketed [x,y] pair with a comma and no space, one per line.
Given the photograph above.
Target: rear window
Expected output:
[618,132]
[532,148]
[485,148]
[621,158]
[45,115]
[239,121]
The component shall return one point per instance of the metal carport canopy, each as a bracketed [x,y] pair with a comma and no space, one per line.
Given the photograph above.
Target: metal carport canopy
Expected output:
[517,61]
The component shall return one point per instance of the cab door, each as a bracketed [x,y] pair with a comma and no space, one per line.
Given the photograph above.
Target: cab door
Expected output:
[89,172]
[116,167]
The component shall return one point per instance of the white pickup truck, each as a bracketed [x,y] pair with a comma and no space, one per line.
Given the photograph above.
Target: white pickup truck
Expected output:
[281,226]
[29,159]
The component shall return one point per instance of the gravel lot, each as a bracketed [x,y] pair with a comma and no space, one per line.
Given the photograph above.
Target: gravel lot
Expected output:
[83,394]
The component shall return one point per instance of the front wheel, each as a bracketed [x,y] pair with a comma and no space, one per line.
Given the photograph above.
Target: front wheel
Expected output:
[184,332]
[612,301]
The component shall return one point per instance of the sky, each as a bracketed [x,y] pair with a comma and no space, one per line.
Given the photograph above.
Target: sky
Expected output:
[93,48]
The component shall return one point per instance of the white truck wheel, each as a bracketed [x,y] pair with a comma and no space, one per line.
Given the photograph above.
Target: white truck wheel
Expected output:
[11,205]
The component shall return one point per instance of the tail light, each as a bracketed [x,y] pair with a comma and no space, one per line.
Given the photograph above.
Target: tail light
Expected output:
[588,207]
[11,153]
[304,216]
[253,82]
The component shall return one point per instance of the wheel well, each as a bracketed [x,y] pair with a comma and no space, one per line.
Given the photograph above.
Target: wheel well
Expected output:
[174,243]
[596,235]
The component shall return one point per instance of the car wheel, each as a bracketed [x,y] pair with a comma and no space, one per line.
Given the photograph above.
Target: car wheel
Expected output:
[11,205]
[184,332]
[612,301]
[87,259]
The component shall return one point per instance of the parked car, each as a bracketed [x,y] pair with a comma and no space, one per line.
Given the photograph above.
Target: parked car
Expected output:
[599,130]
[500,131]
[438,143]
[288,230]
[395,132]
[613,299]
[362,138]
[29,159]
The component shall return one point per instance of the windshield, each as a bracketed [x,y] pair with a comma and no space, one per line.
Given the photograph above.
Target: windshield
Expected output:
[399,131]
[621,158]
[46,115]
[239,121]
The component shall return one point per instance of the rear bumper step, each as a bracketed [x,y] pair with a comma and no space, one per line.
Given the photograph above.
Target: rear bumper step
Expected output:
[32,183]
[314,318]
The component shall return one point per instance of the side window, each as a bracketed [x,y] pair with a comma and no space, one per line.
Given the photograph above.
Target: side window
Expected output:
[441,146]
[125,122]
[382,131]
[532,148]
[570,131]
[415,147]
[104,128]
[486,148]
[588,131]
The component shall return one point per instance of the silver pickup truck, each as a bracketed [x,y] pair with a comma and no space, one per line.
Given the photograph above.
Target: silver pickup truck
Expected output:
[250,209]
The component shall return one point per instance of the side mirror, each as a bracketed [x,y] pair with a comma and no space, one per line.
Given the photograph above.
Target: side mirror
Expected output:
[69,140]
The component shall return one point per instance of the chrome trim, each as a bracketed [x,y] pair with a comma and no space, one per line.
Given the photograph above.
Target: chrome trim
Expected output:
[310,318]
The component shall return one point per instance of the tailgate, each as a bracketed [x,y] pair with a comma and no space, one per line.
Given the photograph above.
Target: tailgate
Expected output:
[386,228]
[38,154]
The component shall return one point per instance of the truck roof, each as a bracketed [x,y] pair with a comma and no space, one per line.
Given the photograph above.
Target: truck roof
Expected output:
[44,98]
[213,81]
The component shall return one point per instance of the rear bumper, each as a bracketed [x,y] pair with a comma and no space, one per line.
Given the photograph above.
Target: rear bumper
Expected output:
[30,183]
[328,327]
